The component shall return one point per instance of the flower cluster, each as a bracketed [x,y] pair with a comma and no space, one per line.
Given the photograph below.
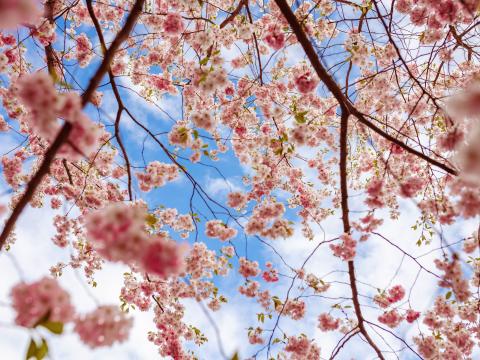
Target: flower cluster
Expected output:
[394,294]
[265,212]
[18,12]
[173,24]
[301,348]
[453,278]
[204,120]
[270,274]
[163,257]
[237,200]
[157,174]
[248,268]
[347,249]
[104,326]
[217,229]
[275,38]
[293,308]
[306,82]
[118,233]
[391,318]
[41,301]
[436,14]
[37,92]
[327,322]
[84,52]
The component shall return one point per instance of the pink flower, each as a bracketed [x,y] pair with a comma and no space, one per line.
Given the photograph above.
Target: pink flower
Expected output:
[18,12]
[293,308]
[248,268]
[375,194]
[411,186]
[228,251]
[271,275]
[254,336]
[84,52]
[250,290]
[173,24]
[104,326]
[453,278]
[275,37]
[412,315]
[404,6]
[84,139]
[157,174]
[217,229]
[237,200]
[163,258]
[347,249]
[204,120]
[427,346]
[3,124]
[396,293]
[391,318]
[43,300]
[37,92]
[118,231]
[327,322]
[306,82]
[302,349]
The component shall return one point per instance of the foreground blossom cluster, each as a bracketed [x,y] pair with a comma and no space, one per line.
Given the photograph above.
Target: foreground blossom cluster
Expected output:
[119,234]
[103,326]
[45,303]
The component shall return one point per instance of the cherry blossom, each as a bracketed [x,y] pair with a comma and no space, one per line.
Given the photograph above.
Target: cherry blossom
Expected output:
[312,165]
[42,300]
[18,12]
[104,326]
[327,322]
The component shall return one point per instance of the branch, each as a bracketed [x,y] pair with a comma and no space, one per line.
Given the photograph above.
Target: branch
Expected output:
[116,93]
[119,39]
[234,14]
[346,108]
[343,101]
[67,127]
[35,182]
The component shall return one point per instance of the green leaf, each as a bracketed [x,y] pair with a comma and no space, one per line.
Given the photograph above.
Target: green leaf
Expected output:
[54,326]
[37,351]
[204,61]
[32,350]
[151,220]
[448,295]
[261,317]
[276,301]
[300,117]
[42,351]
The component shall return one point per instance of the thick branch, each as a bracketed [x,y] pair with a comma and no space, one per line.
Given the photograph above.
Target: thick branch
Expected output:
[235,12]
[346,108]
[343,101]
[35,182]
